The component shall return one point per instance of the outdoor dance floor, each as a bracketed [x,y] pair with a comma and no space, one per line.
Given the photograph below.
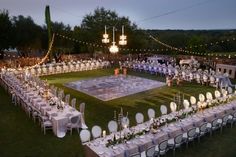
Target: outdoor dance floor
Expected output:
[111,87]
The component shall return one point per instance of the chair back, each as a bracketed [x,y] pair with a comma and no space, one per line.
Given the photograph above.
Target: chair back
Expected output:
[73,102]
[151,113]
[82,107]
[234,115]
[214,123]
[201,98]
[67,99]
[74,120]
[192,132]
[163,109]
[186,104]
[230,90]
[203,127]
[96,131]
[217,94]
[173,107]
[225,118]
[85,136]
[178,139]
[150,151]
[139,118]
[163,145]
[112,126]
[193,100]
[209,96]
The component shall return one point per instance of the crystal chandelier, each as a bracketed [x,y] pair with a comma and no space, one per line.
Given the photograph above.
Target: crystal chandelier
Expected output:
[105,39]
[123,38]
[113,48]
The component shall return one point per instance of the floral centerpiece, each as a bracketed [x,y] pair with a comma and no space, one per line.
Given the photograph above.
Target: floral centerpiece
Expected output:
[155,123]
[60,106]
[52,101]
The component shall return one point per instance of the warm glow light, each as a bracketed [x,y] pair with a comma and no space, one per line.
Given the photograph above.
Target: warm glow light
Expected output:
[123,38]
[105,37]
[114,48]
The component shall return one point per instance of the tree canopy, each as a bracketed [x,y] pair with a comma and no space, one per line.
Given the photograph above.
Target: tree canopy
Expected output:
[26,36]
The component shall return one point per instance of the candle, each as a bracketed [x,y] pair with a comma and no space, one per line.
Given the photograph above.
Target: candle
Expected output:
[104,133]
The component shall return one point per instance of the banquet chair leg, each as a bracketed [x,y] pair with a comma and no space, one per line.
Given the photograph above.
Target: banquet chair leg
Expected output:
[44,131]
[174,152]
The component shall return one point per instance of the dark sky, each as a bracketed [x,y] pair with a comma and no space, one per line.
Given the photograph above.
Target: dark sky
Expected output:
[169,14]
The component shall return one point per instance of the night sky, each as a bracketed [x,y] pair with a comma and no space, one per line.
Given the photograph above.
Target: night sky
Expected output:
[147,14]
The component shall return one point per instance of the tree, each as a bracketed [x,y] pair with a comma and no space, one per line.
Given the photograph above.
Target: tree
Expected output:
[5,32]
[28,35]
[92,27]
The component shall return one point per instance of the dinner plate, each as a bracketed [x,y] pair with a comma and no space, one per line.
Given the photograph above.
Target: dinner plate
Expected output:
[128,142]
[141,136]
[100,152]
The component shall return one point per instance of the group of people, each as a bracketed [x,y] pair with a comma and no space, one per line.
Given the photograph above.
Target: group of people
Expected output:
[171,79]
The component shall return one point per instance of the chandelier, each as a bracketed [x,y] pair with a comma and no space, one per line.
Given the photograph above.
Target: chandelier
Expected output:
[105,37]
[114,48]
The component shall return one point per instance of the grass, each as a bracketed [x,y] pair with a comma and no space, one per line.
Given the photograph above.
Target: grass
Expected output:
[21,137]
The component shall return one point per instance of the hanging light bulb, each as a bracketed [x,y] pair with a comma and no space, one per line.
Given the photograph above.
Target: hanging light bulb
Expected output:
[123,38]
[113,48]
[105,39]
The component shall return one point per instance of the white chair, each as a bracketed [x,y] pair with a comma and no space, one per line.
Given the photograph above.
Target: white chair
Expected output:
[217,95]
[216,124]
[112,126]
[96,131]
[209,98]
[186,104]
[193,100]
[163,109]
[202,130]
[151,113]
[46,124]
[162,148]
[150,152]
[139,118]
[74,123]
[230,92]
[85,136]
[190,135]
[73,102]
[224,95]
[67,99]
[81,108]
[176,142]
[173,107]
[201,98]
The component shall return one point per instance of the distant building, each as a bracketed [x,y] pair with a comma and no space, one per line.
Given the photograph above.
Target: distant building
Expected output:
[229,69]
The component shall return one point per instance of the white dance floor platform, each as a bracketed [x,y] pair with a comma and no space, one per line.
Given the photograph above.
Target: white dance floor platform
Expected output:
[111,87]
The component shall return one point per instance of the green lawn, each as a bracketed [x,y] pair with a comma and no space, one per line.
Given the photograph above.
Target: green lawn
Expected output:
[21,137]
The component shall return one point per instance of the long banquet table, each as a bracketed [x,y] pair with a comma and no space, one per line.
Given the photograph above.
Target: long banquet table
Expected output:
[31,96]
[98,148]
